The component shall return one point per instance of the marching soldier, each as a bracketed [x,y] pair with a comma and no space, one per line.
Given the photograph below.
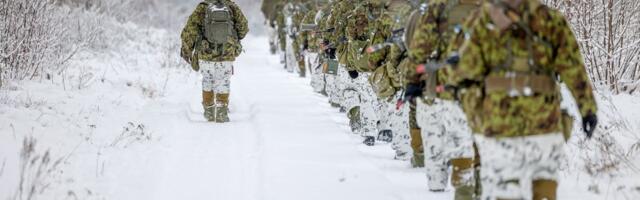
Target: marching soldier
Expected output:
[447,137]
[210,43]
[508,78]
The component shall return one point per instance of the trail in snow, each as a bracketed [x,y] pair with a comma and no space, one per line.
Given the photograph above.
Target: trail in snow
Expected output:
[284,142]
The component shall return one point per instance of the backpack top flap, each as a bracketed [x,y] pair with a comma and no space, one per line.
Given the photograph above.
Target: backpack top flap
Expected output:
[219,26]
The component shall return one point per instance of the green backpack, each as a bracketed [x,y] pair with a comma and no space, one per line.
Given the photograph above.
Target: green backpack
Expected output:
[218,23]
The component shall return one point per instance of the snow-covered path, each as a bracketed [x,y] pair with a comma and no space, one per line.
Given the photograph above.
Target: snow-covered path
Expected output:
[284,142]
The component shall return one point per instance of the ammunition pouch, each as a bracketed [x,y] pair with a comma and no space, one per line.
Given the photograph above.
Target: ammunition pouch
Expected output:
[381,83]
[521,85]
[330,66]
[358,57]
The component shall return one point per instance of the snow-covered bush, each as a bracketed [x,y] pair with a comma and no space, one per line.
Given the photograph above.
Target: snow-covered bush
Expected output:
[38,38]
[607,31]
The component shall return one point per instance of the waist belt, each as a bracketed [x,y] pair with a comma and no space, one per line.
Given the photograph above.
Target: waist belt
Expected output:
[518,85]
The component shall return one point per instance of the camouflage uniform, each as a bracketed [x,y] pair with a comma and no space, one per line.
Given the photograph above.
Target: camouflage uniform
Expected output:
[506,78]
[359,94]
[281,29]
[310,42]
[291,60]
[385,79]
[216,65]
[268,9]
[445,131]
[338,38]
[328,45]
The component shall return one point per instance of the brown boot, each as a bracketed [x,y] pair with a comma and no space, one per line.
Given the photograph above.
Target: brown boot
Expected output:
[418,150]
[544,189]
[462,178]
[208,105]
[222,108]
[302,68]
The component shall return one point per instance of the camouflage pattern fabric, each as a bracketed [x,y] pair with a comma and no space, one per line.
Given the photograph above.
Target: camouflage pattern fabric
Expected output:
[399,118]
[358,93]
[445,136]
[510,165]
[269,11]
[485,54]
[281,25]
[205,51]
[216,76]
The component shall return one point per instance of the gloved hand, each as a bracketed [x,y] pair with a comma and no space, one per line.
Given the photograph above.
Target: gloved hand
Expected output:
[353,74]
[413,90]
[589,124]
[453,59]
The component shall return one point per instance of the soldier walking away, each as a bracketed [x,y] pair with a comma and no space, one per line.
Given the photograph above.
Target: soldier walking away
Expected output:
[509,73]
[211,43]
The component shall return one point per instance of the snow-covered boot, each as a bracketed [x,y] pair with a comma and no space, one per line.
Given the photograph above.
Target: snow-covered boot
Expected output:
[208,105]
[302,69]
[354,120]
[369,140]
[222,108]
[417,161]
[385,136]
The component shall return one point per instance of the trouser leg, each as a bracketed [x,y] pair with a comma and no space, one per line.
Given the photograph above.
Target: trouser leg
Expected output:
[222,84]
[520,167]
[208,95]
[416,138]
[433,135]
[401,142]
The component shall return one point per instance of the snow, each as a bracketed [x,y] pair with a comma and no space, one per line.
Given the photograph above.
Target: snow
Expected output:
[131,133]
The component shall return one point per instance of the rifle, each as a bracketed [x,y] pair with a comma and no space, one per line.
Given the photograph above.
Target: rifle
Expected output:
[194,54]
[395,39]
[415,90]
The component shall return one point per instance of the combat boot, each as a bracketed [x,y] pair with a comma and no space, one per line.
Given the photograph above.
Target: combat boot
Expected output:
[385,136]
[463,179]
[301,67]
[418,151]
[354,120]
[369,141]
[417,161]
[208,106]
[222,108]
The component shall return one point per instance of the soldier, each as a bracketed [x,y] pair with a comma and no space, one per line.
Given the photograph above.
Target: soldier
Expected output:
[328,48]
[507,77]
[309,38]
[447,137]
[281,30]
[386,80]
[301,7]
[210,43]
[268,9]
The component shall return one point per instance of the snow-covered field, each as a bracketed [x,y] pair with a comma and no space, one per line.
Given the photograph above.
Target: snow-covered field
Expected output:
[127,130]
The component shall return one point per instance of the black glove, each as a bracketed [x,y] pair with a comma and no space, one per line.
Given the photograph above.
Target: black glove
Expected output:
[413,91]
[353,74]
[453,59]
[589,124]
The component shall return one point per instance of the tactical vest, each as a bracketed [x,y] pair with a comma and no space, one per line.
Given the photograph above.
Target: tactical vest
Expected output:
[219,26]
[522,75]
[454,15]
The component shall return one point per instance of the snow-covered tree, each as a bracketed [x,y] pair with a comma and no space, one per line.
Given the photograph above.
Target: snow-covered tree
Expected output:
[608,34]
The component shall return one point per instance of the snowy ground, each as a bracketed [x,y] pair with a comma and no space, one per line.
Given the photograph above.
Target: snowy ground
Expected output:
[132,133]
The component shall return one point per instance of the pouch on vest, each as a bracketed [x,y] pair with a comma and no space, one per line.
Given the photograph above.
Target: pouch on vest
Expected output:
[381,83]
[330,66]
[358,57]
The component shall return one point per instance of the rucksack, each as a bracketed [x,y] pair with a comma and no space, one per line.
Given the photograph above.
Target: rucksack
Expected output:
[219,26]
